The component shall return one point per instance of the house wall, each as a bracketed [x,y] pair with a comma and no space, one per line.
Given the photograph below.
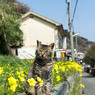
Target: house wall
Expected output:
[36,29]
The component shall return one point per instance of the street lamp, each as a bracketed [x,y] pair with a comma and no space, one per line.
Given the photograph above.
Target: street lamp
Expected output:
[75,34]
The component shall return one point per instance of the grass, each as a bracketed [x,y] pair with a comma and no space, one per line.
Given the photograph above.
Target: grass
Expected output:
[10,66]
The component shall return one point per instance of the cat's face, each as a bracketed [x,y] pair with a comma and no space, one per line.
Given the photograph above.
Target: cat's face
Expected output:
[44,51]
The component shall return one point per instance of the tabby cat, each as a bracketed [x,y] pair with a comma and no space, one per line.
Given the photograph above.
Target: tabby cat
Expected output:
[41,67]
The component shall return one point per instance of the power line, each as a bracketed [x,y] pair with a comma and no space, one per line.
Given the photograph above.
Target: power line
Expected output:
[74,15]
[74,10]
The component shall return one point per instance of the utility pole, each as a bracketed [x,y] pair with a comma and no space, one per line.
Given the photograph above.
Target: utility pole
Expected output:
[70,28]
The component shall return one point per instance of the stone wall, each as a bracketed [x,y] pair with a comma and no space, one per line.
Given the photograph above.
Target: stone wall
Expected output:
[68,87]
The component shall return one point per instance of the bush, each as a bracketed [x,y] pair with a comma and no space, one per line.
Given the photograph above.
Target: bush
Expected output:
[90,56]
[62,70]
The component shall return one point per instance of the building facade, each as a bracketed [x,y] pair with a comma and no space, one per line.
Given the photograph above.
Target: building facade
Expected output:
[36,27]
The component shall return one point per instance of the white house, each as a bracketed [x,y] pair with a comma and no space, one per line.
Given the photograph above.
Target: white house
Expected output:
[36,27]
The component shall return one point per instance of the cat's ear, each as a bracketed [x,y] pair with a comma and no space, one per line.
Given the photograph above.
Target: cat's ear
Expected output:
[38,43]
[52,45]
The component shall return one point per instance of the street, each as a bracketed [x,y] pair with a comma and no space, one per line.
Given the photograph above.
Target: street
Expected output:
[89,82]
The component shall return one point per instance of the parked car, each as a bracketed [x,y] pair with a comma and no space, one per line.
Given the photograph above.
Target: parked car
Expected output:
[87,68]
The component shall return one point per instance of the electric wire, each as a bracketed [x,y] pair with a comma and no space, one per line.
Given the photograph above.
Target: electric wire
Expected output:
[74,10]
[74,14]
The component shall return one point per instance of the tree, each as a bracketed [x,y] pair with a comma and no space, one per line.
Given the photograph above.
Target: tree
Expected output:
[90,56]
[10,33]
[6,1]
[21,8]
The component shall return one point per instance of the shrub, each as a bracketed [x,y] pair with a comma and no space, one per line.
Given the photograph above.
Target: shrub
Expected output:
[90,56]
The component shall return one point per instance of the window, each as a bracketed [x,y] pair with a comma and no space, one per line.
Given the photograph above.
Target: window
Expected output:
[60,41]
[16,52]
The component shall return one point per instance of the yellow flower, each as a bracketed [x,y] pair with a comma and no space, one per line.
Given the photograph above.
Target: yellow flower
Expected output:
[21,78]
[57,71]
[80,70]
[80,75]
[22,75]
[62,68]
[26,72]
[12,82]
[13,87]
[82,85]
[40,81]
[56,85]
[31,82]
[66,69]
[69,66]
[58,78]
[58,63]
[17,73]
[1,70]
[55,67]
[19,86]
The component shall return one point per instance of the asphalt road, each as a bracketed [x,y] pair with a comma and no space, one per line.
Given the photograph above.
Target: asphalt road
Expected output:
[89,82]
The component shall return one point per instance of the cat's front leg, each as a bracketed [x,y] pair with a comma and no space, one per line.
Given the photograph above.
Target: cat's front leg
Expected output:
[48,88]
[39,90]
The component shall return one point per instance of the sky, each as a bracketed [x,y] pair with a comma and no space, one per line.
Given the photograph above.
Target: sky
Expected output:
[84,19]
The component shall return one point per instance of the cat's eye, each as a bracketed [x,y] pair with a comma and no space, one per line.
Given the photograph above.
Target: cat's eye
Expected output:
[50,53]
[40,50]
[46,51]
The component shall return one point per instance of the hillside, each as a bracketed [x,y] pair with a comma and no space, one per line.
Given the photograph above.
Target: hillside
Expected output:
[83,43]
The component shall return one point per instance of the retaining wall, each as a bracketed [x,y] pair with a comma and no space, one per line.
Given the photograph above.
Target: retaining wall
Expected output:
[67,87]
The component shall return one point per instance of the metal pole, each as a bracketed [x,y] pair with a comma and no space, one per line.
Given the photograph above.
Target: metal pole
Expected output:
[76,47]
[70,28]
[76,42]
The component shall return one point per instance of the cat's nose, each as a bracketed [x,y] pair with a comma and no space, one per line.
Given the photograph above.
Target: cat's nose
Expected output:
[42,53]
